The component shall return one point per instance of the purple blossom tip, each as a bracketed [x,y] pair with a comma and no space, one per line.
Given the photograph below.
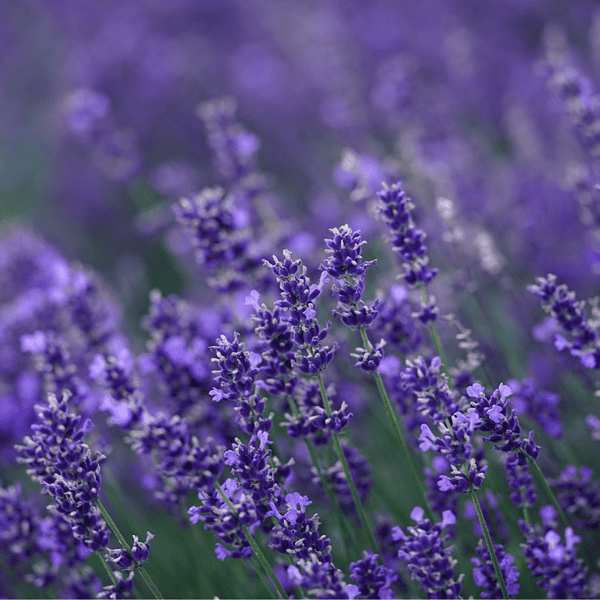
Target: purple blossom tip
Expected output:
[417,514]
[474,390]
[252,299]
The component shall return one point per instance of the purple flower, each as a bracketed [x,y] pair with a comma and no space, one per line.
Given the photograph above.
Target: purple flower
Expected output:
[429,562]
[220,240]
[373,580]
[553,562]
[346,266]
[369,360]
[538,404]
[232,146]
[297,300]
[428,383]
[227,525]
[559,302]
[178,454]
[297,535]
[321,579]
[276,334]
[57,457]
[494,417]
[395,209]
[122,589]
[236,377]
[139,553]
[579,496]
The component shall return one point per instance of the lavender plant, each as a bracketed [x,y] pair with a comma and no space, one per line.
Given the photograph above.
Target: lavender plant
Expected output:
[328,324]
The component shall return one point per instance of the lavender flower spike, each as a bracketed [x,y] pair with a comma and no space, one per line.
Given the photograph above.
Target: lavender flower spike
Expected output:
[346,265]
[63,463]
[395,208]
[429,562]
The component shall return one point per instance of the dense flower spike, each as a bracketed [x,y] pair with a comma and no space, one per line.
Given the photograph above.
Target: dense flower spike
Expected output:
[219,236]
[233,147]
[178,454]
[36,546]
[298,295]
[373,580]
[277,336]
[297,535]
[216,514]
[539,404]
[467,470]
[346,266]
[579,496]
[395,208]
[57,457]
[559,302]
[553,561]
[236,378]
[427,382]
[505,431]
[429,562]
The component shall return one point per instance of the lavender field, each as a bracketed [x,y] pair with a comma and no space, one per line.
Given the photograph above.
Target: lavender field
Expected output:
[299,299]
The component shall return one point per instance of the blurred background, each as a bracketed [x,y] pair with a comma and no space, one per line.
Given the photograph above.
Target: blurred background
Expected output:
[98,114]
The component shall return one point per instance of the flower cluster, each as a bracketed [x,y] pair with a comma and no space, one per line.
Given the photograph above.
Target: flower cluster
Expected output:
[505,431]
[539,404]
[553,561]
[428,560]
[63,463]
[579,496]
[559,302]
[346,266]
[297,300]
[219,236]
[373,580]
[395,209]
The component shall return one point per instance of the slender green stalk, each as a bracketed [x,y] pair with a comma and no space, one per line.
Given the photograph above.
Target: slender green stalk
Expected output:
[145,576]
[261,576]
[548,490]
[391,413]
[255,547]
[340,453]
[489,543]
[111,575]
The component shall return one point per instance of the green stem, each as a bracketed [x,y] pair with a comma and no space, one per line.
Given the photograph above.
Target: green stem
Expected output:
[490,545]
[113,579]
[262,577]
[145,576]
[255,547]
[548,490]
[340,453]
[391,413]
